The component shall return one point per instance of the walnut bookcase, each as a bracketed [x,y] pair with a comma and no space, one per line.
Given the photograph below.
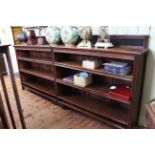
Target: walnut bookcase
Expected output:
[36,69]
[42,69]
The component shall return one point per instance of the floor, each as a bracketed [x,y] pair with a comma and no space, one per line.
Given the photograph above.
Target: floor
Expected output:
[40,113]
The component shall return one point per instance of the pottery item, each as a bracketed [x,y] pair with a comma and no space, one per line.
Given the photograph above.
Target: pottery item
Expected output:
[52,35]
[69,35]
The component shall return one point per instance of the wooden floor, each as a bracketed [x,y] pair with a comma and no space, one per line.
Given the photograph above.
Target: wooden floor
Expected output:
[40,113]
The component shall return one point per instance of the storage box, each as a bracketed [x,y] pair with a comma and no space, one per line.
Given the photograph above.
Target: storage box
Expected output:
[91,64]
[82,81]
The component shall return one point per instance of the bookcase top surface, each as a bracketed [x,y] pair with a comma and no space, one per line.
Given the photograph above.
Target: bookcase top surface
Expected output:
[115,49]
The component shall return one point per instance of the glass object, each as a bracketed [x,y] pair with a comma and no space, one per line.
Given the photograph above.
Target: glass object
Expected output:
[85,34]
[104,38]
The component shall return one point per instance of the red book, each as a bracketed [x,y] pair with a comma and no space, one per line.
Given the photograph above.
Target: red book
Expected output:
[121,92]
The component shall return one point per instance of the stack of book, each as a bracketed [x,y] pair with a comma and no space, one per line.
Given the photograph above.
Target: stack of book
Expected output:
[122,68]
[121,92]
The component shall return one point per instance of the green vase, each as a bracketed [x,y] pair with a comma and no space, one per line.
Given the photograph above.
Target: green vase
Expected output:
[53,35]
[69,35]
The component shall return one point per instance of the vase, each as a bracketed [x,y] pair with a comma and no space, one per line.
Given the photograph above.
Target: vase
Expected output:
[32,39]
[69,35]
[53,35]
[21,37]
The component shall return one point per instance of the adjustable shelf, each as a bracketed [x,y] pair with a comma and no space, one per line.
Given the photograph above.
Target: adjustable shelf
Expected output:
[109,111]
[98,89]
[46,62]
[42,87]
[38,73]
[99,71]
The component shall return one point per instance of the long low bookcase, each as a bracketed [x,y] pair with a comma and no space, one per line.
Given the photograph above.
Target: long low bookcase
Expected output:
[42,69]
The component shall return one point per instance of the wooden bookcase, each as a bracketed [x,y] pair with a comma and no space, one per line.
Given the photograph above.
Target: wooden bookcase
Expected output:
[42,69]
[36,69]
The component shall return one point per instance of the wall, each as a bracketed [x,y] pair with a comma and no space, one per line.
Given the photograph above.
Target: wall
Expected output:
[6,38]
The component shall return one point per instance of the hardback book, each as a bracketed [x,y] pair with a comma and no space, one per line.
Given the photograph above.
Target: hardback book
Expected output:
[121,92]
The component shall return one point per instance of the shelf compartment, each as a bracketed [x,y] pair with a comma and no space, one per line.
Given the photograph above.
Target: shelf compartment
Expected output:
[99,71]
[40,55]
[109,110]
[90,114]
[37,48]
[99,52]
[46,62]
[102,90]
[49,97]
[40,85]
[38,73]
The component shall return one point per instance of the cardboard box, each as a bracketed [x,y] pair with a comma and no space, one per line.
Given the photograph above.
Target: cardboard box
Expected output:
[82,81]
[91,64]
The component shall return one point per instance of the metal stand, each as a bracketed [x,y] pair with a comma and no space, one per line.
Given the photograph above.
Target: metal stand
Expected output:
[4,49]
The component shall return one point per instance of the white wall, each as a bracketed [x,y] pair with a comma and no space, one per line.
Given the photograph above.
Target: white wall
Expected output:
[7,38]
[149,82]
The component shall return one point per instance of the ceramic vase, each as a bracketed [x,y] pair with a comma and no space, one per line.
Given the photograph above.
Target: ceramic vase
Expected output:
[53,35]
[69,35]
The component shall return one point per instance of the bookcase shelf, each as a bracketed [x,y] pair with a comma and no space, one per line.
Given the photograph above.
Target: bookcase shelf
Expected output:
[108,111]
[99,71]
[38,73]
[47,89]
[102,90]
[43,69]
[46,62]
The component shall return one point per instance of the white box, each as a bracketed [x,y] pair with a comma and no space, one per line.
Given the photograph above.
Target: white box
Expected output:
[82,81]
[91,64]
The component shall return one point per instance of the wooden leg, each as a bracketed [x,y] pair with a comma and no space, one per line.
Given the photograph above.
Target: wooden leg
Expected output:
[6,95]
[20,112]
[3,117]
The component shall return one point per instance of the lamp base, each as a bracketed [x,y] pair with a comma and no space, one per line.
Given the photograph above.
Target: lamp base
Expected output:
[105,45]
[84,44]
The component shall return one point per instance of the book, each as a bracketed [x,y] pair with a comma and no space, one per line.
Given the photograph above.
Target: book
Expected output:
[121,92]
[122,68]
[69,78]
[117,64]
